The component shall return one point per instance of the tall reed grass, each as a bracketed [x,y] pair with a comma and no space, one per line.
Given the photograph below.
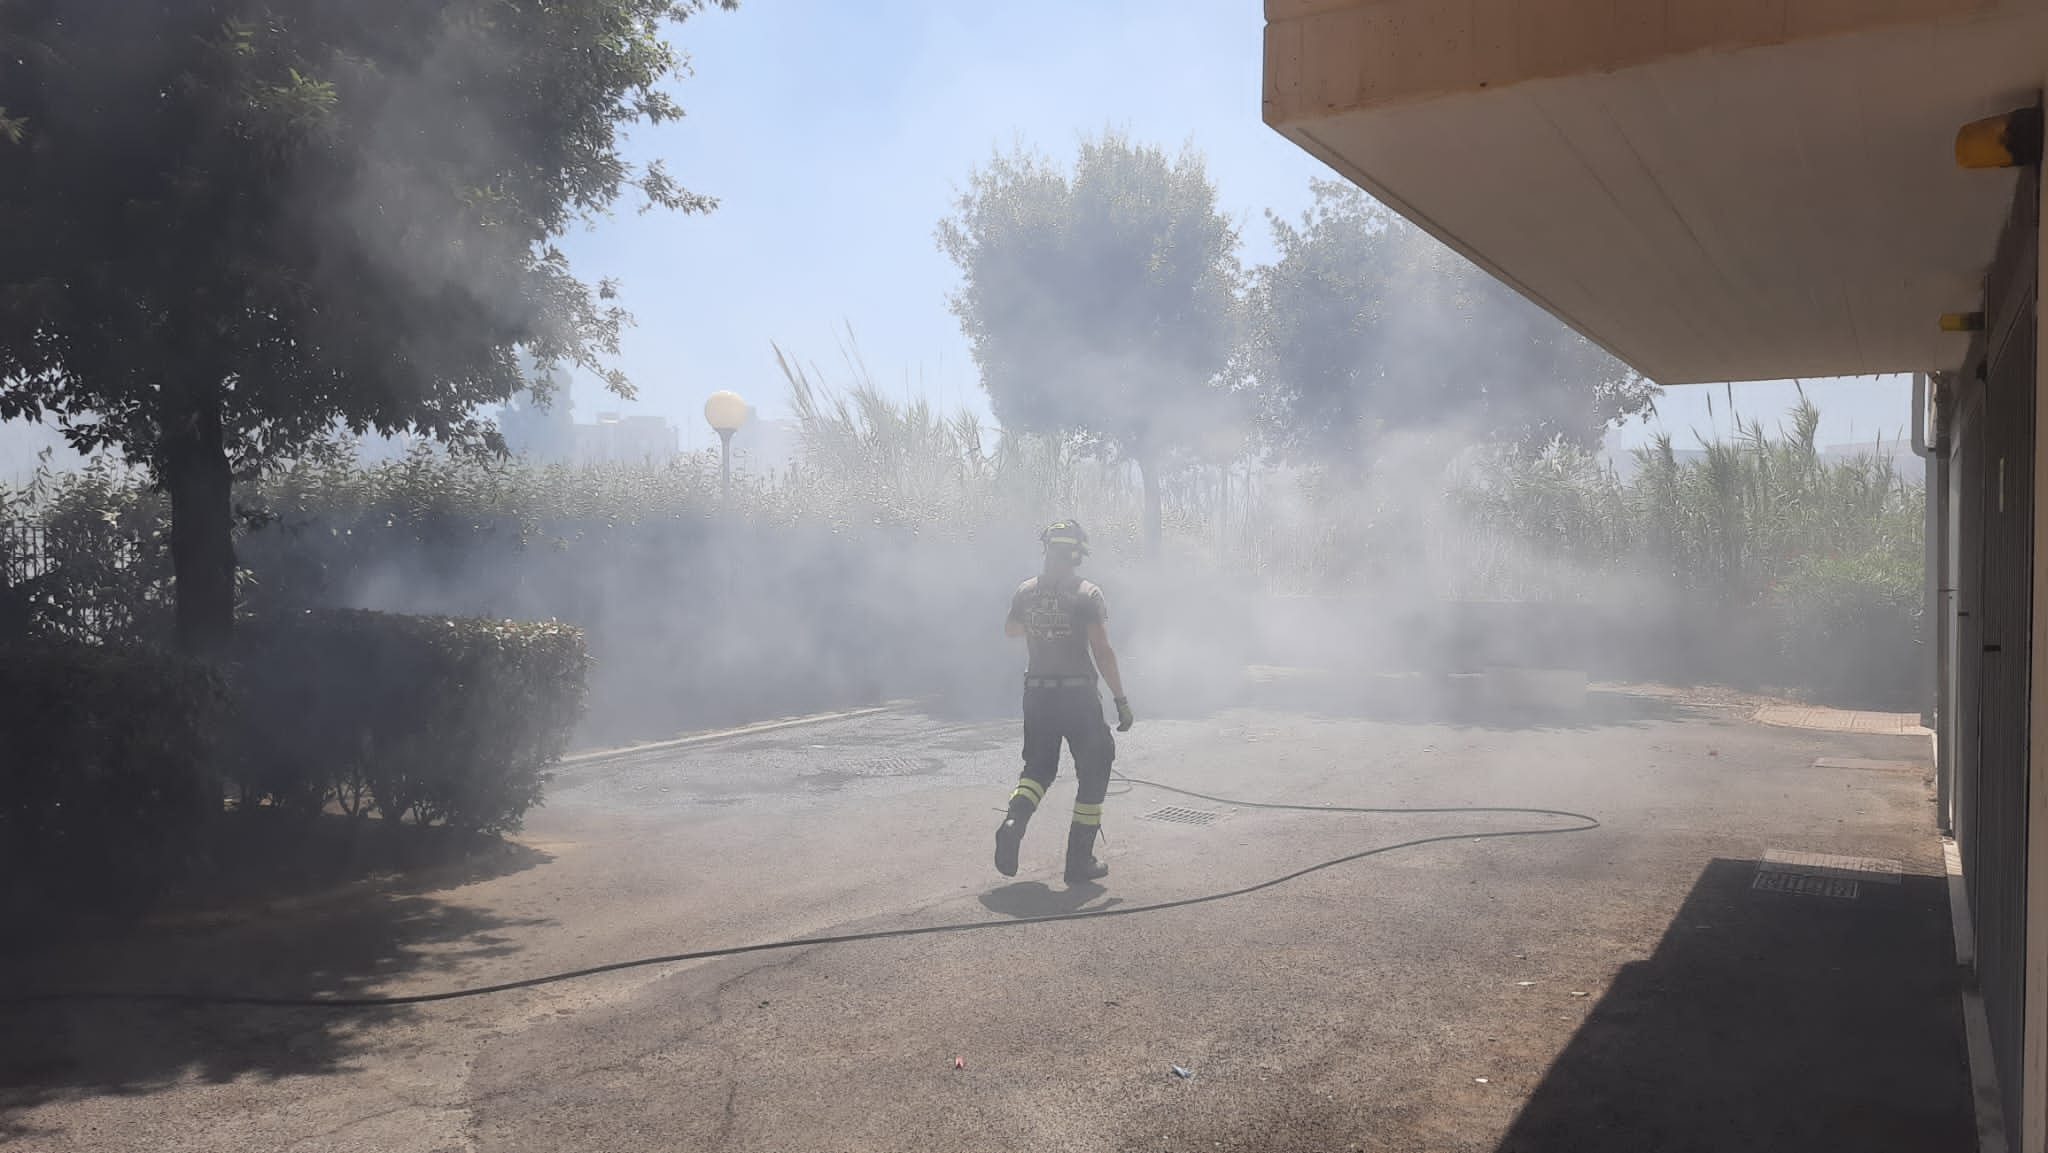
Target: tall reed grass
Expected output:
[1760,531]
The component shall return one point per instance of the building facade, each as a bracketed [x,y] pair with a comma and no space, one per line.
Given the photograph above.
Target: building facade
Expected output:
[1728,190]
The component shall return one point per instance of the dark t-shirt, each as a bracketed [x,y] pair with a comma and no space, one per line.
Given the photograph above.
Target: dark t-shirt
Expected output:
[1056,616]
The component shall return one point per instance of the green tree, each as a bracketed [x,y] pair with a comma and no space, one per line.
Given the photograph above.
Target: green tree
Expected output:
[1364,324]
[1099,304]
[228,226]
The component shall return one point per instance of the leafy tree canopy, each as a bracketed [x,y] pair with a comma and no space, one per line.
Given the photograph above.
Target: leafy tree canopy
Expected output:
[228,225]
[1101,302]
[1364,323]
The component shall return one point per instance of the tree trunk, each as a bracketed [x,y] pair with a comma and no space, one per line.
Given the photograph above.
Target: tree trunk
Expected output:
[1152,530]
[1223,516]
[198,479]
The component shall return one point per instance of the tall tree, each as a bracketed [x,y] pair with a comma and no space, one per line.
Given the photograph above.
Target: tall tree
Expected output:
[1364,324]
[1100,303]
[227,226]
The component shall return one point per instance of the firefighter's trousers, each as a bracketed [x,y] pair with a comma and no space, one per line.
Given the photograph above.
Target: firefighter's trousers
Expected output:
[1069,711]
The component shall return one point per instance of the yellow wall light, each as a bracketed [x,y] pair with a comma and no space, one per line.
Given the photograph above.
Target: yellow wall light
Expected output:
[2009,141]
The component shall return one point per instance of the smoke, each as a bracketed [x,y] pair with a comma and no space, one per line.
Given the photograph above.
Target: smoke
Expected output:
[789,604]
[883,566]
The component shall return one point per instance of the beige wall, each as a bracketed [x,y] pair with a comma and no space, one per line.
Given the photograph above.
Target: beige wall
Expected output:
[1325,57]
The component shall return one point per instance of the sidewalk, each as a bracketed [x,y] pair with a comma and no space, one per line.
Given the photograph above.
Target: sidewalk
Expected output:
[1779,1019]
[1632,987]
[1828,720]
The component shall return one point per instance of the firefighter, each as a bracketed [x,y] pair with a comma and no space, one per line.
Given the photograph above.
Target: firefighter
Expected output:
[1063,620]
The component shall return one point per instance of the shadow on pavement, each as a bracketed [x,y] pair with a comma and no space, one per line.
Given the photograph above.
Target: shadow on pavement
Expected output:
[270,857]
[1037,899]
[1769,1020]
[264,859]
[311,924]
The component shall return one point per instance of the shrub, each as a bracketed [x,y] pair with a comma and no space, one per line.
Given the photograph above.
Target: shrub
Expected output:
[107,773]
[443,720]
[87,556]
[1850,627]
[798,593]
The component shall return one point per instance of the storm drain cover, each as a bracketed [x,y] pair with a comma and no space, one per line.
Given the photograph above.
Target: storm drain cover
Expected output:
[1805,886]
[1179,816]
[1822,874]
[1864,764]
[886,767]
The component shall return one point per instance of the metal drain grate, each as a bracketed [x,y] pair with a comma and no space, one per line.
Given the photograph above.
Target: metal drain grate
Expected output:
[887,767]
[1822,874]
[1883,870]
[1179,816]
[1805,886]
[1866,765]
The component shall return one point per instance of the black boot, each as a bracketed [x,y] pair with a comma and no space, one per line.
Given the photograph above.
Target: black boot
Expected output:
[1010,834]
[1081,863]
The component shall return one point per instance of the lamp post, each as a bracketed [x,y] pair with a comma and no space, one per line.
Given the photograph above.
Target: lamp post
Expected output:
[725,412]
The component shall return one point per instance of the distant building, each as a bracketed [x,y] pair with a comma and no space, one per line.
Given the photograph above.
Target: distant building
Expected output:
[545,434]
[617,439]
[767,447]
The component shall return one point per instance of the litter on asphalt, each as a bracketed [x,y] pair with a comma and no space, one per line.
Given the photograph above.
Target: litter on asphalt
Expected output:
[959,1062]
[1181,1073]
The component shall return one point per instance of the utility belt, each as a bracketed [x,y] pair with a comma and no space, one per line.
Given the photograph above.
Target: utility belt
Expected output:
[1059,682]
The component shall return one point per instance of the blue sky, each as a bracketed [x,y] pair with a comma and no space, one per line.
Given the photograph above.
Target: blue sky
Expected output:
[836,135]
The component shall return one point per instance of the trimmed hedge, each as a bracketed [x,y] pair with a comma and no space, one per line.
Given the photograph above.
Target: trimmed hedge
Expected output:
[1850,631]
[435,719]
[106,767]
[115,762]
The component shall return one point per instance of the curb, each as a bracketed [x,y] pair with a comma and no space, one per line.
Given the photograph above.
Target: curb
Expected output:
[1976,1026]
[592,756]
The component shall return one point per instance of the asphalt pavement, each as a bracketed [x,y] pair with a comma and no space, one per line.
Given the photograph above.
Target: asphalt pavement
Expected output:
[1628,987]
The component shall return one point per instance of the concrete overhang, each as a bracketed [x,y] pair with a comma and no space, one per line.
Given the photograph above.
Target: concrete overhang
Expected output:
[1711,189]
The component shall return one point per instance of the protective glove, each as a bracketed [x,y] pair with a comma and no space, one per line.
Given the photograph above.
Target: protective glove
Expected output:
[1124,717]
